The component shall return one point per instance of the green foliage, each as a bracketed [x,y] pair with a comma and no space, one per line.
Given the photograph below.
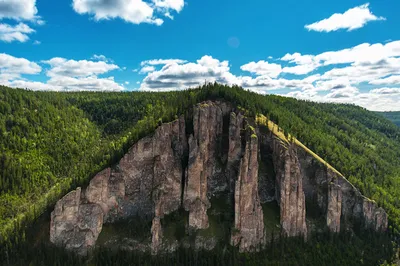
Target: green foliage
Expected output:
[52,142]
[392,116]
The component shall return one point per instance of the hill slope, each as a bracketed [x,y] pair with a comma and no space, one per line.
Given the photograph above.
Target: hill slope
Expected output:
[392,116]
[52,142]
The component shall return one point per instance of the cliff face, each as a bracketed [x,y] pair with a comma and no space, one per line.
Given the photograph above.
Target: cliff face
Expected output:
[172,169]
[201,178]
[248,231]
[289,189]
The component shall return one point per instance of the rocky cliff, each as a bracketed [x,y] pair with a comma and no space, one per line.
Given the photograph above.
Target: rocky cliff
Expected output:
[186,166]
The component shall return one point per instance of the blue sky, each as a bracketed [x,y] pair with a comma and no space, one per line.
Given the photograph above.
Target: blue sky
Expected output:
[336,51]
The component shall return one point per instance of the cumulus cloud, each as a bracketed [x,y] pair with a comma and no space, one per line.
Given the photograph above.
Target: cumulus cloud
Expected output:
[18,32]
[132,11]
[63,74]
[343,76]
[263,68]
[101,58]
[155,62]
[391,80]
[332,76]
[178,75]
[71,68]
[352,19]
[15,67]
[386,91]
[18,9]
[147,69]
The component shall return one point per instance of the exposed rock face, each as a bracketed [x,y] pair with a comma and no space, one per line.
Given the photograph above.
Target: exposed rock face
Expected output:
[156,232]
[334,206]
[222,155]
[289,189]
[249,223]
[235,147]
[375,218]
[74,225]
[342,204]
[146,182]
[207,127]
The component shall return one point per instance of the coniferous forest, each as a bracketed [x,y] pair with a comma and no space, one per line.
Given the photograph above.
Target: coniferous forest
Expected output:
[392,116]
[52,142]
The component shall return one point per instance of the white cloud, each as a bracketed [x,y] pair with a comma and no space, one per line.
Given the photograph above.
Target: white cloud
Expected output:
[37,42]
[352,19]
[155,62]
[343,76]
[100,58]
[18,32]
[147,69]
[15,67]
[345,92]
[392,80]
[63,74]
[174,75]
[82,68]
[263,68]
[127,82]
[18,9]
[89,83]
[132,11]
[386,91]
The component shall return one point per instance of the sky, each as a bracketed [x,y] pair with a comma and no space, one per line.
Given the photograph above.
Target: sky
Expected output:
[327,51]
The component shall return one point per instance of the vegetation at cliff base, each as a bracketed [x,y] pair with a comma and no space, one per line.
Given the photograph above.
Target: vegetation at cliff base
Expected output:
[52,142]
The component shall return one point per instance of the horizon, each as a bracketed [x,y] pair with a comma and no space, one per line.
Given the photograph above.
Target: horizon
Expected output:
[322,52]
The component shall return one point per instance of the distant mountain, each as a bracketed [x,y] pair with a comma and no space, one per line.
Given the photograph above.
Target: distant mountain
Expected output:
[392,116]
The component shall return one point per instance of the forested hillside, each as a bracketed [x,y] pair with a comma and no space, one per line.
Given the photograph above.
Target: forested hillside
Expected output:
[52,142]
[392,116]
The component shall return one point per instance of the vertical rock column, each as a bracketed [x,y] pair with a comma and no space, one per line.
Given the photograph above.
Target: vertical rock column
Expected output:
[248,233]
[207,125]
[334,210]
[290,189]
[235,148]
[375,218]
[169,145]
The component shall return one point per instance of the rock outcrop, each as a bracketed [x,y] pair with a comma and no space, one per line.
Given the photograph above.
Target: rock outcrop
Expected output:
[146,182]
[289,189]
[171,169]
[334,206]
[74,225]
[342,204]
[207,127]
[248,232]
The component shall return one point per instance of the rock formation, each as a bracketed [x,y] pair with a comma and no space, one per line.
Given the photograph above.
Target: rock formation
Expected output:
[248,232]
[171,169]
[74,225]
[207,127]
[289,189]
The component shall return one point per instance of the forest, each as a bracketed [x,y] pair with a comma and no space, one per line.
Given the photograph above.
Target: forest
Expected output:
[52,142]
[392,116]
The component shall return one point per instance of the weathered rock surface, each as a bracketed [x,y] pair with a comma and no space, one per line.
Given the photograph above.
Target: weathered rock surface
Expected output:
[342,204]
[146,182]
[171,169]
[207,127]
[74,225]
[289,189]
[334,206]
[248,233]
